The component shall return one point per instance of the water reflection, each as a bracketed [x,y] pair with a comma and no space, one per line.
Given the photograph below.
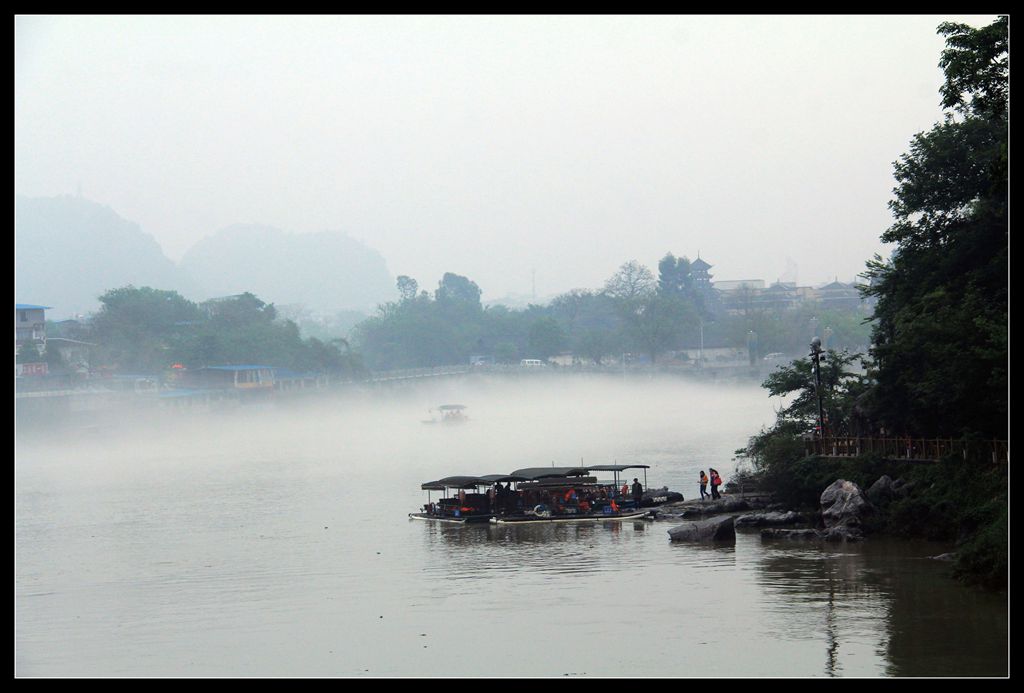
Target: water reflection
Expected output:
[887,599]
[556,549]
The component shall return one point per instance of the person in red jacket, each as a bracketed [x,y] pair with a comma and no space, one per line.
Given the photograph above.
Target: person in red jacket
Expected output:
[716,481]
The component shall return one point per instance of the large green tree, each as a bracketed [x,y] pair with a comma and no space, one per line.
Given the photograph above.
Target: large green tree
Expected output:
[940,336]
[146,330]
[143,329]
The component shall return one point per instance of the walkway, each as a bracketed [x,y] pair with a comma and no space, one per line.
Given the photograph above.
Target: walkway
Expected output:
[913,449]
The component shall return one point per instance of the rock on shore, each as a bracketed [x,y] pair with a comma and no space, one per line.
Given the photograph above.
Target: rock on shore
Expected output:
[843,504]
[769,519]
[835,534]
[719,529]
[723,505]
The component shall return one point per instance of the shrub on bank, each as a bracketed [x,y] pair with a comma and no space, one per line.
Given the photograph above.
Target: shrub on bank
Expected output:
[948,501]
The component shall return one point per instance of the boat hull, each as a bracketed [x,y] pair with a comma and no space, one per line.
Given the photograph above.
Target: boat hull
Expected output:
[450,520]
[529,519]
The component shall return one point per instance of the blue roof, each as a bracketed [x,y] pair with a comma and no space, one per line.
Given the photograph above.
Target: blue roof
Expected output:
[29,306]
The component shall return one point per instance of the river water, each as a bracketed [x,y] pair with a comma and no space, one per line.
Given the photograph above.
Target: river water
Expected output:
[274,541]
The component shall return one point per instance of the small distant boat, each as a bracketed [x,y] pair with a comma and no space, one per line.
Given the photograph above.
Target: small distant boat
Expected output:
[448,414]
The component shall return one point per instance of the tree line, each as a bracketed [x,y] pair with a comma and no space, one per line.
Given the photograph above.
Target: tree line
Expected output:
[147,330]
[938,361]
[636,315]
[635,312]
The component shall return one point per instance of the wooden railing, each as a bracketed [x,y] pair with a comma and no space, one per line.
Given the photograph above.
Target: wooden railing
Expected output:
[920,449]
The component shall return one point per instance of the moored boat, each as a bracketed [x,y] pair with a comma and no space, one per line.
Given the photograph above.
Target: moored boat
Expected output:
[466,505]
[539,494]
[570,494]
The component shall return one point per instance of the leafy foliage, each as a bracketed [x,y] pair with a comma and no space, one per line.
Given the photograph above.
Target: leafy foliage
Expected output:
[939,334]
[940,337]
[147,330]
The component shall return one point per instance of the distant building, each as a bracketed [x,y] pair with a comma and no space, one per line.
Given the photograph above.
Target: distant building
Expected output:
[699,272]
[73,352]
[241,377]
[731,285]
[29,326]
[287,380]
[839,295]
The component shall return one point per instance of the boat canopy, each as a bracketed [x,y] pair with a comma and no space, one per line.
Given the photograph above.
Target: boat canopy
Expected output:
[501,478]
[617,467]
[534,473]
[469,481]
[453,482]
[527,474]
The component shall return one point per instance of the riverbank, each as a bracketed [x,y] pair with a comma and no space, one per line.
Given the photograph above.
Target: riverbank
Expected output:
[947,501]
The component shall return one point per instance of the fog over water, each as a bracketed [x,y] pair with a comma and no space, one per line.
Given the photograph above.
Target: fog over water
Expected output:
[275,541]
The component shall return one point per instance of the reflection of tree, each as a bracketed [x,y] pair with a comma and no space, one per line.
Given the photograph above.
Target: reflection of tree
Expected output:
[801,578]
[830,630]
[926,623]
[939,627]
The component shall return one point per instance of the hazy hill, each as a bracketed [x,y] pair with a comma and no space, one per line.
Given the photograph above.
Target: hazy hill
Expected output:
[325,271]
[68,251]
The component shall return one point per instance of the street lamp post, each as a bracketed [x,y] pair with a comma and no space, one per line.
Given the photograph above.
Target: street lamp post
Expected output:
[816,355]
[700,359]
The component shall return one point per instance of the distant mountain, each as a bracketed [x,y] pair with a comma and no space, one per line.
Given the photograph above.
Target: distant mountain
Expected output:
[68,251]
[325,271]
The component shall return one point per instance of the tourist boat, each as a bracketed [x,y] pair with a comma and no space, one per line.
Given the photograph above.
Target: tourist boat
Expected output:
[462,501]
[570,494]
[448,414]
[537,494]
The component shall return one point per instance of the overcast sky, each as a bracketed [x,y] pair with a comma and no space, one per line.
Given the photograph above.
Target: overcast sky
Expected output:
[493,147]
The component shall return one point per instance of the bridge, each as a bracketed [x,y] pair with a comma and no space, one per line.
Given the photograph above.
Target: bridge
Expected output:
[416,374]
[910,449]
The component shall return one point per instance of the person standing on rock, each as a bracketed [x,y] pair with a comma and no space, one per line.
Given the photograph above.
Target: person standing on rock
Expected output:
[715,481]
[703,485]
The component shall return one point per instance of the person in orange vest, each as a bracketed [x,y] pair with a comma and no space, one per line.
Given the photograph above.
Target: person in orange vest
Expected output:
[703,485]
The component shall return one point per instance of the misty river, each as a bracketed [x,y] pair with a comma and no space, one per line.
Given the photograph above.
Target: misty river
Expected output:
[275,541]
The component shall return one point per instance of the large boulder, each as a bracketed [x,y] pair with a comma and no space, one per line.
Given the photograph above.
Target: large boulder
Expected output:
[769,519]
[881,492]
[843,504]
[722,505]
[902,489]
[719,529]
